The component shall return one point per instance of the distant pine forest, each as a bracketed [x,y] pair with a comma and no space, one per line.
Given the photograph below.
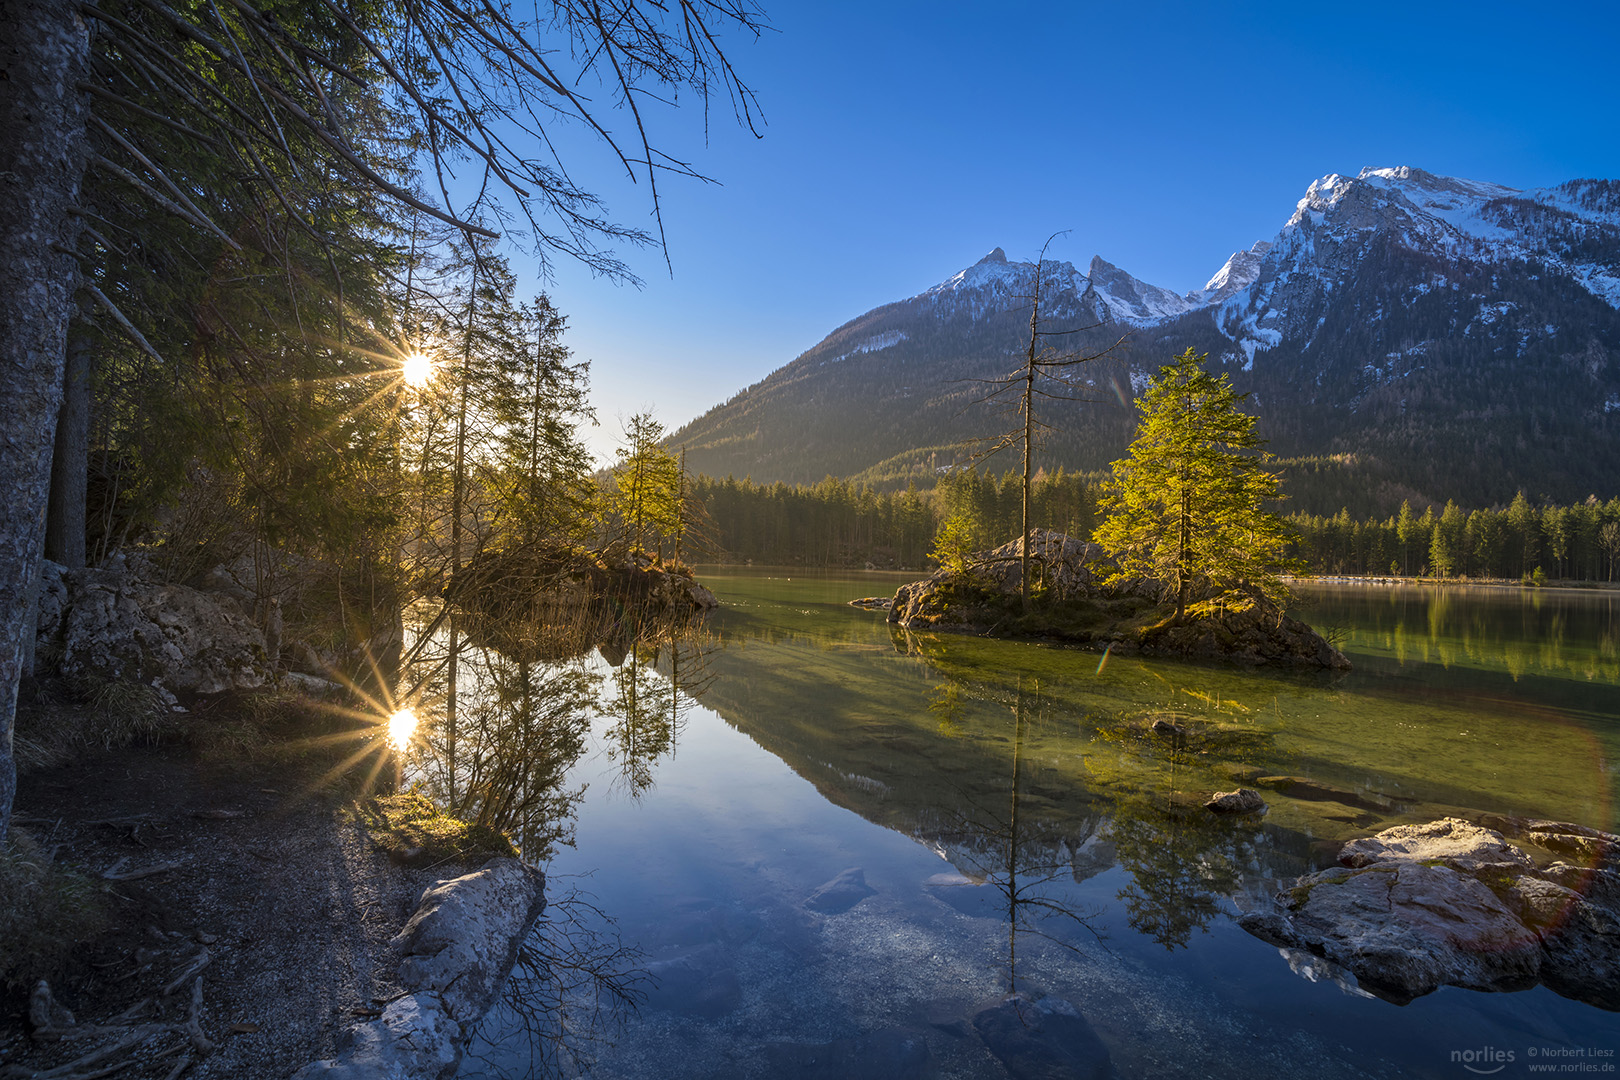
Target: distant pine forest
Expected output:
[841,523]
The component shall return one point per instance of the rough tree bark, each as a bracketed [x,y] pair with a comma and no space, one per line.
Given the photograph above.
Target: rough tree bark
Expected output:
[70,462]
[43,58]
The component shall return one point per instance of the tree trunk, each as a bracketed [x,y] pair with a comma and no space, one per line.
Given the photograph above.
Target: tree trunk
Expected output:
[70,463]
[44,57]
[1029,435]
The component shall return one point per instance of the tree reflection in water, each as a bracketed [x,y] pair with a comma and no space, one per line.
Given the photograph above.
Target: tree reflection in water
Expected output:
[574,985]
[1014,848]
[649,709]
[502,731]
[1184,863]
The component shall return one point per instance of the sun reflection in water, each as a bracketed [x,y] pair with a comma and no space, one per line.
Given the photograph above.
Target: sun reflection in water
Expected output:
[401,726]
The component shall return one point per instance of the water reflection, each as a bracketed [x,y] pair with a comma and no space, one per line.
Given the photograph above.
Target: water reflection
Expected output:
[1556,632]
[501,728]
[1066,797]
[648,706]
[1011,847]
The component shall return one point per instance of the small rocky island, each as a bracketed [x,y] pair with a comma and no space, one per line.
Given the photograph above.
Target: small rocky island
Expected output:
[1072,601]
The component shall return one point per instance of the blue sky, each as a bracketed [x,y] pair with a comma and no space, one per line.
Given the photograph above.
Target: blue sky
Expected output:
[904,140]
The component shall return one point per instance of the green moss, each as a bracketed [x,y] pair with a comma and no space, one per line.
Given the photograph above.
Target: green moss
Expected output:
[47,912]
[410,825]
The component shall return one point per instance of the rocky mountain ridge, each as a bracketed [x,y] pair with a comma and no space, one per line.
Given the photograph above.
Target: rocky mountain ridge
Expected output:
[1458,336]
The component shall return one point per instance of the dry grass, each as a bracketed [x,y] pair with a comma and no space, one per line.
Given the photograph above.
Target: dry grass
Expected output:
[68,718]
[46,913]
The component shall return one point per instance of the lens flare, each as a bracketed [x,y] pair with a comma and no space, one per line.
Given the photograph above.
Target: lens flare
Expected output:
[416,369]
[401,726]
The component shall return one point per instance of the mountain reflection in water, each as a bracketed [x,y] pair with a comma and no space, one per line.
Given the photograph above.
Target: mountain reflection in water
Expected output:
[1065,797]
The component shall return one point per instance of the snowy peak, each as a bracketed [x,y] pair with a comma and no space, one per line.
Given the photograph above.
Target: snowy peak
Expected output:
[1446,229]
[1105,294]
[1240,271]
[994,284]
[1131,300]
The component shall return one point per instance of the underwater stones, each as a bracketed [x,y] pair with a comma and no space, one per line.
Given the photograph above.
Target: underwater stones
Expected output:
[1299,787]
[700,983]
[841,893]
[1448,903]
[888,1054]
[1043,1038]
[1241,801]
[976,899]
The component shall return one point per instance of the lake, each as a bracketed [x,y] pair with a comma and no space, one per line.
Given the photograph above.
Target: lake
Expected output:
[812,846]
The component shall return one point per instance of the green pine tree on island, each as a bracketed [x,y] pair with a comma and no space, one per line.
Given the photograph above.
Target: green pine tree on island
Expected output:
[1187,505]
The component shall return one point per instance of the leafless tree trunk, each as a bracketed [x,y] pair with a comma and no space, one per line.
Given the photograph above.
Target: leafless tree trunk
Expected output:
[42,146]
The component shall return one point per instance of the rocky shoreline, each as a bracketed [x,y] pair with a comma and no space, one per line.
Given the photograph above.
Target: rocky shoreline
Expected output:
[456,952]
[1453,903]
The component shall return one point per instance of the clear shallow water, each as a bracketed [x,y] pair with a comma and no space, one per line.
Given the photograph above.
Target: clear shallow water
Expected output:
[822,742]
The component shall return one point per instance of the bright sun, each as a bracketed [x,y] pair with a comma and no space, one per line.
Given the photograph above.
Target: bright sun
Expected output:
[401,725]
[417,369]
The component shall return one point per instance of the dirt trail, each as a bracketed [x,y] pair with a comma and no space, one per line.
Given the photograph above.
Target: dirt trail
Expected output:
[278,891]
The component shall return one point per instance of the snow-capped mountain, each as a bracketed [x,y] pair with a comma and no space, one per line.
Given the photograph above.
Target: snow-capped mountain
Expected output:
[1571,232]
[993,285]
[1239,272]
[1437,337]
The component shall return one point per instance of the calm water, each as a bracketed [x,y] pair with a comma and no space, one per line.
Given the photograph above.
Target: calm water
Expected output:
[1019,824]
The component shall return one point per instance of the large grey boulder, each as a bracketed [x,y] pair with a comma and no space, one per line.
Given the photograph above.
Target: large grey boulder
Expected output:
[110,623]
[1450,903]
[1406,929]
[456,953]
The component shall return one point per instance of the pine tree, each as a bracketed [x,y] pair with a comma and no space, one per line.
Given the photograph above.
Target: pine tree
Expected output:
[647,483]
[1186,507]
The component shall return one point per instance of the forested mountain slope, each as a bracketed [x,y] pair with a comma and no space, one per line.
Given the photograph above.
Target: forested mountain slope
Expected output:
[1445,338]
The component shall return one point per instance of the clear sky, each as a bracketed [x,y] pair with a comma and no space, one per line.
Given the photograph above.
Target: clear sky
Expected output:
[905,140]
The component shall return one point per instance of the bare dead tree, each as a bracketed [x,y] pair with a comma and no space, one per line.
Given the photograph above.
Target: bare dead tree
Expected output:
[1046,373]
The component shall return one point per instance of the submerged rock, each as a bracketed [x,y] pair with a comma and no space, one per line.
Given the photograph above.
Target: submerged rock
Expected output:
[1299,787]
[1450,903]
[841,893]
[701,982]
[889,1054]
[1043,1039]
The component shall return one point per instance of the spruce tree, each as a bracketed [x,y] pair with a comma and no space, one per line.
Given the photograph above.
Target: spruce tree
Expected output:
[1186,506]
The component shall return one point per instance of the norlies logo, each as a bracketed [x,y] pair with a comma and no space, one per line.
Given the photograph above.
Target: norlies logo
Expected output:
[1475,1061]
